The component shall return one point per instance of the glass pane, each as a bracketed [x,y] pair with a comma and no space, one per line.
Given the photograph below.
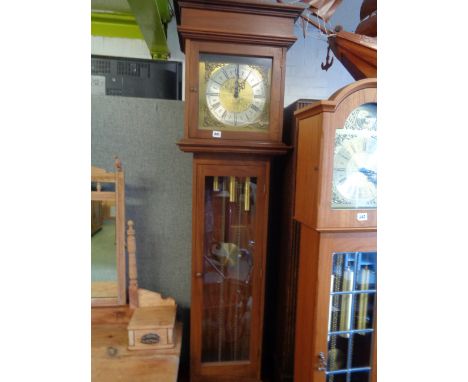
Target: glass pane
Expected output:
[362,343]
[364,314]
[342,305]
[234,92]
[355,160]
[368,261]
[103,250]
[338,347]
[360,376]
[229,255]
[103,186]
[336,378]
[350,376]
[351,312]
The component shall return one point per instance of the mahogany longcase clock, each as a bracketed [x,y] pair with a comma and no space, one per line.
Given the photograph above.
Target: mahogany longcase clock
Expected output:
[336,206]
[235,67]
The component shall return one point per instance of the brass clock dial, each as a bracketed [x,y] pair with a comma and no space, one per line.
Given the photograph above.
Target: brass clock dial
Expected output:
[355,160]
[235,93]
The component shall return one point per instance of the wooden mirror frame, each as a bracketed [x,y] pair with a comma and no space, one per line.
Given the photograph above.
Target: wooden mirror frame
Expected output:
[99,175]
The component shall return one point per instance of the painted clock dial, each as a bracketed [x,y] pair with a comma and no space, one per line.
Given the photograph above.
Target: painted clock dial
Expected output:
[355,160]
[234,92]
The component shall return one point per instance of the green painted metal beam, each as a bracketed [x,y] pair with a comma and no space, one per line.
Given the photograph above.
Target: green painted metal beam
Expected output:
[115,24]
[164,10]
[152,16]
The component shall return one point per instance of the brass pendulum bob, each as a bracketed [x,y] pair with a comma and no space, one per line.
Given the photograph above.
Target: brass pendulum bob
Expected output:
[247,194]
[232,189]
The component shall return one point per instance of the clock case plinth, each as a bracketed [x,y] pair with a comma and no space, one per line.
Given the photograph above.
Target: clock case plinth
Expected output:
[243,28]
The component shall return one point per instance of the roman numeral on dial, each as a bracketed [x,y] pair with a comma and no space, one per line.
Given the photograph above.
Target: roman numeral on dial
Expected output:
[255,108]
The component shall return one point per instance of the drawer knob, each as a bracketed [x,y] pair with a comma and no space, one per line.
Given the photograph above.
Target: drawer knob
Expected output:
[150,339]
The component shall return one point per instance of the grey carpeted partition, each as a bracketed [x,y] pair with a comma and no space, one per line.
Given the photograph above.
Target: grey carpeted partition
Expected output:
[158,184]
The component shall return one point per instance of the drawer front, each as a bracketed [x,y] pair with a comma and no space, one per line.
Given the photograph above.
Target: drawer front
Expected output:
[150,339]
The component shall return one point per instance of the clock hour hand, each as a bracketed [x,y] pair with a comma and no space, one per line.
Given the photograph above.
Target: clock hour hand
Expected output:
[236,84]
[371,175]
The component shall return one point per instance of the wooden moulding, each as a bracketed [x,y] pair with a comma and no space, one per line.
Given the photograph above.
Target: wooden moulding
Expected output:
[335,99]
[243,21]
[237,147]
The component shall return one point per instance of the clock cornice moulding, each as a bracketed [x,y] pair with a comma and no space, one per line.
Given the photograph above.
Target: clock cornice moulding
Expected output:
[243,22]
[235,37]
[245,6]
[332,103]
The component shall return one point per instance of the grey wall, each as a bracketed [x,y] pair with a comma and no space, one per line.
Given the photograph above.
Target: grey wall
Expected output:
[158,184]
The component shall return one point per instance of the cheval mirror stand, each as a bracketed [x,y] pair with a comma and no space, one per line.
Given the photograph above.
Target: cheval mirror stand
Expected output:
[112,333]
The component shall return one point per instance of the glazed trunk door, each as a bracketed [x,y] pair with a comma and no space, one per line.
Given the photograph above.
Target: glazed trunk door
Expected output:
[228,266]
[346,315]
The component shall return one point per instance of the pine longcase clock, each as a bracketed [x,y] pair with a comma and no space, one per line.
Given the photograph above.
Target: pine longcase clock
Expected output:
[235,67]
[336,206]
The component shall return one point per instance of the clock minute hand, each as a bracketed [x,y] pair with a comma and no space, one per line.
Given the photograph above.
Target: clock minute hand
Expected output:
[371,175]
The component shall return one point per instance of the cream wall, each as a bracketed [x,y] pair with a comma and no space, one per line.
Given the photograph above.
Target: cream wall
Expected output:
[136,48]
[120,47]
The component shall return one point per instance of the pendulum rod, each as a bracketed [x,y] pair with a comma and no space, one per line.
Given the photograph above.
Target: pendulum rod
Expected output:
[221,287]
[237,284]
